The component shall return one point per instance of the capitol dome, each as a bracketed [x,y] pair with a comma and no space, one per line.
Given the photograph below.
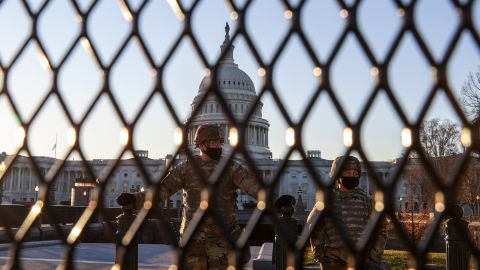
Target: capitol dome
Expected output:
[239,93]
[231,77]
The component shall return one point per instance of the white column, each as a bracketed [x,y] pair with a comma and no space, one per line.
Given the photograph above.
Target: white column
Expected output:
[20,180]
[266,137]
[263,135]
[9,181]
[252,135]
[259,134]
[226,134]
[13,178]
[27,179]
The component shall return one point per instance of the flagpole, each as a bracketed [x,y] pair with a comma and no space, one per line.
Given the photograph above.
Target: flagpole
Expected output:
[55,146]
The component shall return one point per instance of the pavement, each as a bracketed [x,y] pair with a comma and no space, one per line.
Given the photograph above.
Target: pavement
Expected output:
[45,255]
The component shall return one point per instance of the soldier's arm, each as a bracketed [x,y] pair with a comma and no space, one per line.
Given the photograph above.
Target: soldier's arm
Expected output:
[313,214]
[317,239]
[244,180]
[170,184]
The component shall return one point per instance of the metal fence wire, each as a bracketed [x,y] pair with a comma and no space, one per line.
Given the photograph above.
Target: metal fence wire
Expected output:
[349,10]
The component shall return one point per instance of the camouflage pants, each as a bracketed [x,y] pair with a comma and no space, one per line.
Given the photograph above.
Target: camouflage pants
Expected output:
[208,249]
[206,253]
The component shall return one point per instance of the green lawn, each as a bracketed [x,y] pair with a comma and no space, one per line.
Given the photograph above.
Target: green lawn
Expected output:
[395,258]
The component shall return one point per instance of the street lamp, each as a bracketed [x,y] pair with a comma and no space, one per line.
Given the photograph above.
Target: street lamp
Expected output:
[142,189]
[400,206]
[36,192]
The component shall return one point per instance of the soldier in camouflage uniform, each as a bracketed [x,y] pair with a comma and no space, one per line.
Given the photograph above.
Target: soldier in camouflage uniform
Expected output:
[208,247]
[353,207]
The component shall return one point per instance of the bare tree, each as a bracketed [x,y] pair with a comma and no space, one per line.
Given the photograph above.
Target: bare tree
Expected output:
[439,138]
[471,95]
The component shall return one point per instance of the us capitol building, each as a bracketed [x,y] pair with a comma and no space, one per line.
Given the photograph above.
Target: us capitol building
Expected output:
[238,90]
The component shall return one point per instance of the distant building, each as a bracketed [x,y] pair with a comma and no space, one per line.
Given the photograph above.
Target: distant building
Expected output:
[239,93]
[82,191]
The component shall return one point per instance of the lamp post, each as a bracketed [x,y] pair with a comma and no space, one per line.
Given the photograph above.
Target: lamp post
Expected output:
[36,192]
[400,206]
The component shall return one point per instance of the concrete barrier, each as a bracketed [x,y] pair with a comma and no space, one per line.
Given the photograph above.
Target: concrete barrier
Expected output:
[264,258]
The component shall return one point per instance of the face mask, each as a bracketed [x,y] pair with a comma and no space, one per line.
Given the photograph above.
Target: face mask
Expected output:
[214,153]
[350,182]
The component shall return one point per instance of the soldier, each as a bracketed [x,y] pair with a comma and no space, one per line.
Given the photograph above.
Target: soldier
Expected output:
[353,207]
[208,246]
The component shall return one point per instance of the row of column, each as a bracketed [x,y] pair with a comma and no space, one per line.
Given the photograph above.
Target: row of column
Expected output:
[23,179]
[256,135]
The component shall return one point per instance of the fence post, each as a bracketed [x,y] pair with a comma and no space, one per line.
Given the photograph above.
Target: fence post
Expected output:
[457,249]
[127,257]
[287,227]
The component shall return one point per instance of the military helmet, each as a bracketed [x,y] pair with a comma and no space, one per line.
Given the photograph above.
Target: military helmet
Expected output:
[208,132]
[285,200]
[351,163]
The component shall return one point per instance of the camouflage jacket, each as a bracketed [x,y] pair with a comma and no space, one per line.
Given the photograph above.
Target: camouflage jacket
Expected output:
[353,209]
[184,176]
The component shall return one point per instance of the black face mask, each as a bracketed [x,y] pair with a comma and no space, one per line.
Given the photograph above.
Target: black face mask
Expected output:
[350,182]
[213,153]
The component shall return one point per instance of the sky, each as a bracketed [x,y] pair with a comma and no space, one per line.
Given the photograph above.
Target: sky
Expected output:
[132,78]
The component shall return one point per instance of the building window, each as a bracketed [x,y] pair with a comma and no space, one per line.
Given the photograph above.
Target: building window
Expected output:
[235,107]
[125,186]
[241,108]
